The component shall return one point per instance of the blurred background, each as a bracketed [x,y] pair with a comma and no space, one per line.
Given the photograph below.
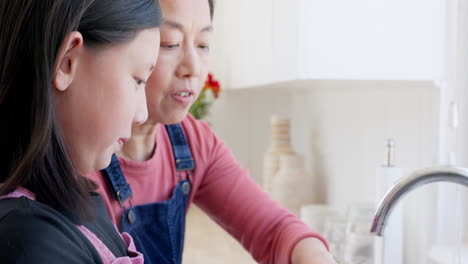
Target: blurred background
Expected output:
[348,75]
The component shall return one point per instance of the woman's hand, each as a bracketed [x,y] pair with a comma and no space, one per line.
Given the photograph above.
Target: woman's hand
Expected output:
[311,251]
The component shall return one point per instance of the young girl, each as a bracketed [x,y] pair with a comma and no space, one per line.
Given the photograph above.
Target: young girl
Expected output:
[162,169]
[72,82]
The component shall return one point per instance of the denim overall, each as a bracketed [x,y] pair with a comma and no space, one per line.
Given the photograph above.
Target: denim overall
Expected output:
[158,229]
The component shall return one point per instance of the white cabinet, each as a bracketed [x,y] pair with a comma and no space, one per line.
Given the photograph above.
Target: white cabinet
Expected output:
[372,39]
[253,44]
[266,41]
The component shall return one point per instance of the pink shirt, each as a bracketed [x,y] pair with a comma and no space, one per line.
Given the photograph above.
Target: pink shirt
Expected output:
[220,186]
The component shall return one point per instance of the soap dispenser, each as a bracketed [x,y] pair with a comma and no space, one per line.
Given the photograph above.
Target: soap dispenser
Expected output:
[389,249]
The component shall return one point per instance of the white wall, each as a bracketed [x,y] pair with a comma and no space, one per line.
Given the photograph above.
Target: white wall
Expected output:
[341,127]
[452,197]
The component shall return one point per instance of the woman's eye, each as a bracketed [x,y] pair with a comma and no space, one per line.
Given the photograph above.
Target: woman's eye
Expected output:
[170,46]
[204,47]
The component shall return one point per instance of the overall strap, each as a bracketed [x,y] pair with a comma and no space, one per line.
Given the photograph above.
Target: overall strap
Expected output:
[180,148]
[107,257]
[120,188]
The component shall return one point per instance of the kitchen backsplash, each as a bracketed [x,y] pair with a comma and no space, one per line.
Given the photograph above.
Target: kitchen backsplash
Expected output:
[341,126]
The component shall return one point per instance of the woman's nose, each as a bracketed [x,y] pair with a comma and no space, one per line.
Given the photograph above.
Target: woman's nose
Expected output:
[190,63]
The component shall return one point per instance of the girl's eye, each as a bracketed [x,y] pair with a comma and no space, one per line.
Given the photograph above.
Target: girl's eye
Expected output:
[140,82]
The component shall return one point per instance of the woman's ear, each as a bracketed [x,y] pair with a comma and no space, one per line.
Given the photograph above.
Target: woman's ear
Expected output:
[67,60]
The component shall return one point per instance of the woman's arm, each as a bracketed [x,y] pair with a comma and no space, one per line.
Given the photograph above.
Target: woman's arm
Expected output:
[311,251]
[229,195]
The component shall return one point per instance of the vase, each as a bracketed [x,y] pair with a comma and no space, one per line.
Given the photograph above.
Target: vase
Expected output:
[280,145]
[292,186]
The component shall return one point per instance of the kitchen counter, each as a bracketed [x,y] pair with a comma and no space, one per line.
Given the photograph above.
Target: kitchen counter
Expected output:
[208,243]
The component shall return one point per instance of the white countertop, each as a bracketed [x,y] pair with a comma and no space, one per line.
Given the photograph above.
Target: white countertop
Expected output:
[207,243]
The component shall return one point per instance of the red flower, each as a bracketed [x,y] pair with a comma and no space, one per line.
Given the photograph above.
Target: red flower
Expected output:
[213,85]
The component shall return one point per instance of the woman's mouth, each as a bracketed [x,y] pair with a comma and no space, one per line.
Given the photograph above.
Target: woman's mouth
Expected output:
[184,94]
[184,98]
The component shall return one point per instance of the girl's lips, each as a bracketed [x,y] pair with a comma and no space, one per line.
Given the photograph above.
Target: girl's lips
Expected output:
[122,141]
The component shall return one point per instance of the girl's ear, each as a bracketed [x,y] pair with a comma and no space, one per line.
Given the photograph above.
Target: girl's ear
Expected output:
[68,59]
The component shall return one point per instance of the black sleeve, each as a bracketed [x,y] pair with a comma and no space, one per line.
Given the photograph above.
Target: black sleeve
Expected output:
[32,235]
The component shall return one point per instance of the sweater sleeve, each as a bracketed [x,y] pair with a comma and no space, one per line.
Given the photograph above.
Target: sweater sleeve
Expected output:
[28,236]
[231,198]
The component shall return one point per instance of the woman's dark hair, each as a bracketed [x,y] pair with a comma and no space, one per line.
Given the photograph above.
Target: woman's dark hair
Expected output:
[212,7]
[32,150]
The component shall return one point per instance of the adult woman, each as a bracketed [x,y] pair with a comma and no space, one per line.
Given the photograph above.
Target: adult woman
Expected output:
[59,108]
[148,187]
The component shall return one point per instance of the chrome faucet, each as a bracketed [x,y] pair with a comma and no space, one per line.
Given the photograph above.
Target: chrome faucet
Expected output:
[421,177]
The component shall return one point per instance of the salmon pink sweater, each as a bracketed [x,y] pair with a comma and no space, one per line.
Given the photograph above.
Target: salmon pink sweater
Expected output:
[221,187]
